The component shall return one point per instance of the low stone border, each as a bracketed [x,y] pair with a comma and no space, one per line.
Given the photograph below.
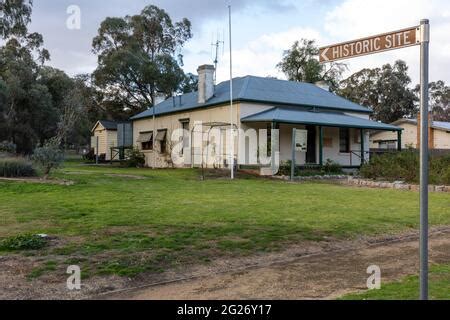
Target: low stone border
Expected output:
[398,185]
[39,181]
[311,178]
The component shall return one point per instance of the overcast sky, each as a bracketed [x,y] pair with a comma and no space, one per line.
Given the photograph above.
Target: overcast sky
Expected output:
[262,30]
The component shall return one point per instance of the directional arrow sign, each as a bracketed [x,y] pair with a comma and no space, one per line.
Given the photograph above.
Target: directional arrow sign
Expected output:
[383,42]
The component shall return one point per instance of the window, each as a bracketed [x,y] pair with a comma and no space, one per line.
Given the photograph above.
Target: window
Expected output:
[344,140]
[186,135]
[389,145]
[161,138]
[146,140]
[269,140]
[147,145]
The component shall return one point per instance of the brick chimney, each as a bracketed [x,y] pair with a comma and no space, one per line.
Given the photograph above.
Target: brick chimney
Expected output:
[323,85]
[205,83]
[430,131]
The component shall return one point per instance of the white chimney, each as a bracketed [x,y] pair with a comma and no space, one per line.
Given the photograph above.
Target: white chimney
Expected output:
[323,85]
[205,83]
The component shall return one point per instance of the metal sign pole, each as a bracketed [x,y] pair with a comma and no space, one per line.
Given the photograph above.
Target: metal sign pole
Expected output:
[424,60]
[294,132]
[419,35]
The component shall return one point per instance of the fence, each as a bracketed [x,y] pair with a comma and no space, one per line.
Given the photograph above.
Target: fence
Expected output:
[433,152]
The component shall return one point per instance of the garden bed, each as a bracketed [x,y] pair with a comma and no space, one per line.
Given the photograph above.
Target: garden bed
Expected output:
[39,180]
[313,177]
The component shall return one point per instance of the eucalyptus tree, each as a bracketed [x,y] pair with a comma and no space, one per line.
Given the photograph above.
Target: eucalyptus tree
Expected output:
[300,63]
[386,90]
[139,57]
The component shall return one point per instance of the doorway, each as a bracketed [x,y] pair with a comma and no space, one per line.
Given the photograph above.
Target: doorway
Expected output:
[311,153]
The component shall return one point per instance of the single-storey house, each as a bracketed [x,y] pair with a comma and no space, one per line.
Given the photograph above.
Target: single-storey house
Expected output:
[104,137]
[335,128]
[438,135]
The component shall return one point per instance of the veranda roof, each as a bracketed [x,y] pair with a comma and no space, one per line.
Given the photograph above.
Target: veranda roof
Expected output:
[319,118]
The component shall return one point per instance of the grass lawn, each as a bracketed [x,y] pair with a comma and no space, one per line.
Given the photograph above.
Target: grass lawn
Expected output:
[111,223]
[408,288]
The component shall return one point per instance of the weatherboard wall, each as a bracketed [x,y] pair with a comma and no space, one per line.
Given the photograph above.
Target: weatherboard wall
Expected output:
[172,122]
[409,137]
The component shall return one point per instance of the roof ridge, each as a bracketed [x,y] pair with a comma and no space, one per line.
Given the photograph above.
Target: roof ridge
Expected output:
[244,87]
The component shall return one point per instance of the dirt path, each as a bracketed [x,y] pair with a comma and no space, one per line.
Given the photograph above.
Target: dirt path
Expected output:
[327,274]
[306,270]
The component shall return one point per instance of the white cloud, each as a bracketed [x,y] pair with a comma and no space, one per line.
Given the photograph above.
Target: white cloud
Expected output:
[355,18]
[260,57]
[349,20]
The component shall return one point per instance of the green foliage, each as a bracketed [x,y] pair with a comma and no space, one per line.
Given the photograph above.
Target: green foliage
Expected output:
[329,168]
[23,242]
[16,168]
[384,89]
[439,100]
[404,166]
[408,288]
[300,63]
[15,16]
[49,156]
[8,147]
[41,270]
[38,102]
[136,57]
[135,158]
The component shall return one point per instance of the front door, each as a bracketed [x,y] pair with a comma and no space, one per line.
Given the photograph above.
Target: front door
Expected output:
[311,152]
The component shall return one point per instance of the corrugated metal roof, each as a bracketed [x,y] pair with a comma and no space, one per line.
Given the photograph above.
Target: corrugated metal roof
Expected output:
[323,118]
[108,125]
[441,125]
[262,90]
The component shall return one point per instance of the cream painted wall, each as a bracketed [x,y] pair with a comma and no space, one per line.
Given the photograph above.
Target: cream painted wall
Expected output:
[172,122]
[222,114]
[106,140]
[409,137]
[441,139]
[102,134]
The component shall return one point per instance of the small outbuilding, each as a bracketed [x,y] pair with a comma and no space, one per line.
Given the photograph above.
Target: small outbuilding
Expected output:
[104,138]
[438,135]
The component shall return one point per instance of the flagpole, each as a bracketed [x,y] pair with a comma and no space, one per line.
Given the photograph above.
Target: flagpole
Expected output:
[231,100]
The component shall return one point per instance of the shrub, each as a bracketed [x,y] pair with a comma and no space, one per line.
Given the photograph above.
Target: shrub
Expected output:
[90,155]
[7,147]
[23,242]
[331,167]
[440,170]
[135,158]
[405,166]
[16,168]
[393,166]
[48,157]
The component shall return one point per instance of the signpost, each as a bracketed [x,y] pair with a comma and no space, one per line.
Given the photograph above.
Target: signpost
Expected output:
[419,35]
[375,44]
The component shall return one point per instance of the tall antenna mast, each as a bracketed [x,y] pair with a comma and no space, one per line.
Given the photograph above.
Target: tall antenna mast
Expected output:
[216,45]
[231,98]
